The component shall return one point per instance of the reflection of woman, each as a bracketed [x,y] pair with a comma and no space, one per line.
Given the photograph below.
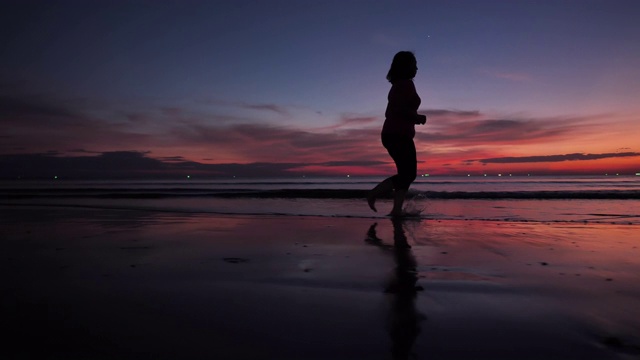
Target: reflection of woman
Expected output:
[398,130]
[404,318]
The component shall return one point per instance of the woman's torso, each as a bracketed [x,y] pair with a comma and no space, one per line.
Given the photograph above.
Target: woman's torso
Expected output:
[402,108]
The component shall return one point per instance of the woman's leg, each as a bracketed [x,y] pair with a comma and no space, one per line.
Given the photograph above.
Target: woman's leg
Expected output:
[398,201]
[403,153]
[386,186]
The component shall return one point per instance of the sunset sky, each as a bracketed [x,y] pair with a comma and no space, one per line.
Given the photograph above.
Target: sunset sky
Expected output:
[297,87]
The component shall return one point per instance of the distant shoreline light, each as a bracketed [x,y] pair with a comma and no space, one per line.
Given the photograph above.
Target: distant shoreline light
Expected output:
[64,177]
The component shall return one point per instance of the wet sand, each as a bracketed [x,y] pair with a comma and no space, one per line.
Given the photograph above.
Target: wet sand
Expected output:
[114,284]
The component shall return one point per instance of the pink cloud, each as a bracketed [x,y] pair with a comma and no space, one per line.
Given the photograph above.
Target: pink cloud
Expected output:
[351,144]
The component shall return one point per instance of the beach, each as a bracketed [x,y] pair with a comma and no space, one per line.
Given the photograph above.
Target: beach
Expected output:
[98,283]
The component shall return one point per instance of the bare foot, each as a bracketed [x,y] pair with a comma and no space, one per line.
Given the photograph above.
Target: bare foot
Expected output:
[396,214]
[372,202]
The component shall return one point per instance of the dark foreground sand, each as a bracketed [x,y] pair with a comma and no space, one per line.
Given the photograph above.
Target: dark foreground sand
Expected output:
[113,284]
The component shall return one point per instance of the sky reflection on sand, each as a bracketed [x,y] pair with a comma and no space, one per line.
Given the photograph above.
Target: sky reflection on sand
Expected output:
[312,287]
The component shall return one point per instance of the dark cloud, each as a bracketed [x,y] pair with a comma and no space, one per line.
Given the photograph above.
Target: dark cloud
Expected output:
[138,164]
[451,113]
[172,111]
[117,164]
[140,118]
[359,120]
[268,107]
[33,124]
[42,165]
[555,158]
[364,163]
[31,109]
[498,131]
[279,109]
[265,142]
[351,122]
[253,169]
[84,151]
[172,158]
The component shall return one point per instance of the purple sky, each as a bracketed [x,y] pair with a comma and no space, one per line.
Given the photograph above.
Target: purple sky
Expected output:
[297,87]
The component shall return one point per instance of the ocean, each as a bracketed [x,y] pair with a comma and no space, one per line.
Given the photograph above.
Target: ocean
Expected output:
[586,199]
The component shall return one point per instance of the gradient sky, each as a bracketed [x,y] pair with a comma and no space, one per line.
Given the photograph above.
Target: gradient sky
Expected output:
[297,87]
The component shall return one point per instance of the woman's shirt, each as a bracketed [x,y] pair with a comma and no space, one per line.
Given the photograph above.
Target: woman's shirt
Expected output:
[402,109]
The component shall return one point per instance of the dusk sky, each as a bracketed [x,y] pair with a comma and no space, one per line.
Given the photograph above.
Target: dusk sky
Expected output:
[297,87]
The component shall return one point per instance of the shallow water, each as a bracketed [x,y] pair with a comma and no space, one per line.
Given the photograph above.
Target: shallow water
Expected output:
[599,199]
[582,211]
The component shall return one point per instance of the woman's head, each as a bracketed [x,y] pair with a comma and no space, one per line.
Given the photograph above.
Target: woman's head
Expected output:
[403,67]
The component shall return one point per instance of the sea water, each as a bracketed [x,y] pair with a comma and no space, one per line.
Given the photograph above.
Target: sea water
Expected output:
[600,199]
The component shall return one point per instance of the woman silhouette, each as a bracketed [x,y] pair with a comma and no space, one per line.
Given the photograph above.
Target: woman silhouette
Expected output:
[398,131]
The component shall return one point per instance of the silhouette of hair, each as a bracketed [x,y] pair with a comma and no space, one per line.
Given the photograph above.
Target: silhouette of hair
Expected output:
[403,67]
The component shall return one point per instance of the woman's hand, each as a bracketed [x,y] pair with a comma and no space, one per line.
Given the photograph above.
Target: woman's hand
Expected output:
[421,120]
